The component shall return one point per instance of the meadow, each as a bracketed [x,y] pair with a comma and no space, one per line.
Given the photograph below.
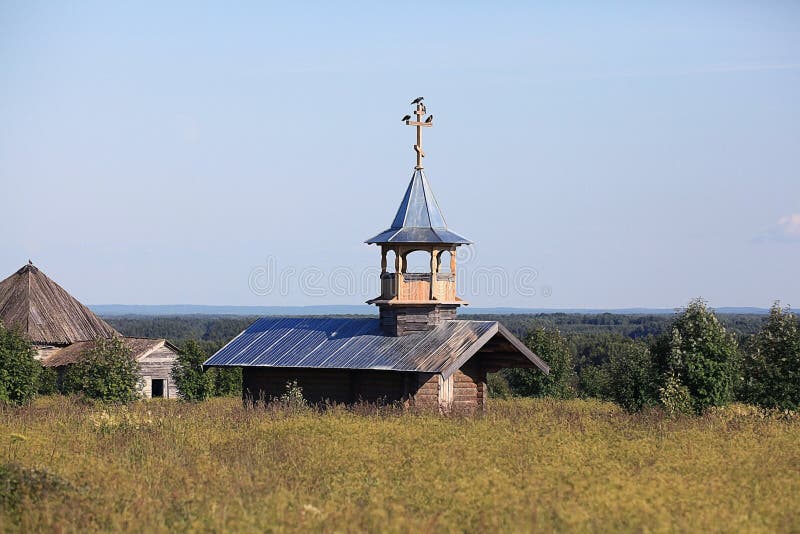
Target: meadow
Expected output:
[527,464]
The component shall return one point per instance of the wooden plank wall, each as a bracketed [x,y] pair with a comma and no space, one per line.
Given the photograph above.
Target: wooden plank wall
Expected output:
[383,387]
[466,392]
[158,364]
[401,320]
[327,385]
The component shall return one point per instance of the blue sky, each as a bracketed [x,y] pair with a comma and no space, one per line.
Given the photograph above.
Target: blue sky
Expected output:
[612,155]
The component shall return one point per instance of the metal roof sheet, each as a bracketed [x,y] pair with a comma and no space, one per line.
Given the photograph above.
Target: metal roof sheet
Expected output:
[341,343]
[419,218]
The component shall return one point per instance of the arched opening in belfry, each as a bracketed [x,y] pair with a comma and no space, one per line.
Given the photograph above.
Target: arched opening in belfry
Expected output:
[445,262]
[417,261]
[391,261]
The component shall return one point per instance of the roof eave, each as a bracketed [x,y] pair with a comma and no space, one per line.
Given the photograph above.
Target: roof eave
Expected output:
[499,329]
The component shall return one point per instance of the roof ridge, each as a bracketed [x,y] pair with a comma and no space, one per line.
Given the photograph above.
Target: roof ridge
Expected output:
[27,271]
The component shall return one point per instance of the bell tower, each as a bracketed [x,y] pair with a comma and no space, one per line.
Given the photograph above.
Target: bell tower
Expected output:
[417,301]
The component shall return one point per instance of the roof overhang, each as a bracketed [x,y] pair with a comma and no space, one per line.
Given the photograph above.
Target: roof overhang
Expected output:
[505,333]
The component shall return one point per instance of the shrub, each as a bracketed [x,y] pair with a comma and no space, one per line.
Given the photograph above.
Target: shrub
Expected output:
[594,382]
[193,383]
[675,397]
[701,355]
[551,346]
[632,380]
[772,362]
[228,382]
[48,381]
[19,370]
[107,372]
[497,386]
[19,483]
[293,399]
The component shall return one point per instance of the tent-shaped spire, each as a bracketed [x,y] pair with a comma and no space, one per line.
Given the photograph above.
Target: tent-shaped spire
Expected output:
[45,313]
[419,218]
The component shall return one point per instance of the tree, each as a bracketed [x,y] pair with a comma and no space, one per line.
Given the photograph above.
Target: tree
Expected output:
[228,382]
[633,382]
[497,386]
[106,372]
[700,355]
[48,381]
[772,362]
[19,370]
[592,362]
[193,383]
[551,346]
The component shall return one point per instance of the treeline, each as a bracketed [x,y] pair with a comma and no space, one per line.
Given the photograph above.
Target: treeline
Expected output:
[578,326]
[210,332]
[685,362]
[690,363]
[216,330]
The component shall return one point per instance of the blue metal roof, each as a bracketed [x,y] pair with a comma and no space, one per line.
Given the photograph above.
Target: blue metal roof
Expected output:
[419,218]
[340,343]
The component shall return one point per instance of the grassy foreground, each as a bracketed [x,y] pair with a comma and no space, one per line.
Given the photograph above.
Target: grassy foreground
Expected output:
[526,465]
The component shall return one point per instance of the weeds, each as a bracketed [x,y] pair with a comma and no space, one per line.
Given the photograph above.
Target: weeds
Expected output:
[525,465]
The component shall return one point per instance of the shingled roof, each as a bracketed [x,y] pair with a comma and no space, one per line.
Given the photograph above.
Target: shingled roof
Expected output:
[139,347]
[419,218]
[45,312]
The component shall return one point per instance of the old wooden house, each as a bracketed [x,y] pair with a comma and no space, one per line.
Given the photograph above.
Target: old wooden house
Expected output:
[62,329]
[416,352]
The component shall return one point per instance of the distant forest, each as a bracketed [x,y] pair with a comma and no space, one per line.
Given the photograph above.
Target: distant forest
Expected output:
[212,332]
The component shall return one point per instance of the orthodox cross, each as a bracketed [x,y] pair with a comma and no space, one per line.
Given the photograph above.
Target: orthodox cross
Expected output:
[420,124]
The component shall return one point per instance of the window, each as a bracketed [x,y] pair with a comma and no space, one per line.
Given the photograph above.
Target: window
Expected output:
[390,261]
[418,261]
[157,388]
[444,262]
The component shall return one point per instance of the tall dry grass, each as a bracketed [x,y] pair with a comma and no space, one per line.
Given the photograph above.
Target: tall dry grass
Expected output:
[526,465]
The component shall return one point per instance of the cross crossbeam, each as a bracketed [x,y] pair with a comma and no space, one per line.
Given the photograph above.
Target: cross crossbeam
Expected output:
[420,124]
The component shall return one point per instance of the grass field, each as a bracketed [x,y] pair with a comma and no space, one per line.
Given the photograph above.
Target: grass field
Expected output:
[526,465]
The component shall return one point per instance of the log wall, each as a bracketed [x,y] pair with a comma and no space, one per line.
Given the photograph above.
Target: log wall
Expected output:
[465,391]
[401,320]
[469,388]
[426,395]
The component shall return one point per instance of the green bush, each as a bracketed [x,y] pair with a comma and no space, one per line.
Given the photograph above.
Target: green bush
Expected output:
[701,355]
[107,372]
[228,382]
[193,383]
[632,380]
[675,397]
[19,484]
[48,381]
[19,370]
[551,346]
[772,362]
[498,386]
[292,399]
[594,382]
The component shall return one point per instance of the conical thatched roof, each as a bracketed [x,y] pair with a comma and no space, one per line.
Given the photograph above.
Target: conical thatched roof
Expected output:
[45,312]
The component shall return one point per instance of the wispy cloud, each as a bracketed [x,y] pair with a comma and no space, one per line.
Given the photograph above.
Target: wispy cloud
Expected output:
[785,230]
